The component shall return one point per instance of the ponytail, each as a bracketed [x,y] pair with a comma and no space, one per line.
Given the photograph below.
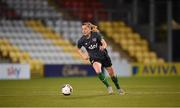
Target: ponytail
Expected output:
[92,26]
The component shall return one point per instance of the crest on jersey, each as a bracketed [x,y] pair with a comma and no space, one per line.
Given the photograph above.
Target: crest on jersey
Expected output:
[93,46]
[94,39]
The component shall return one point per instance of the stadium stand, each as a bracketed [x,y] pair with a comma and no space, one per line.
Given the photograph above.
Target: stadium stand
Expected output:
[38,43]
[18,56]
[49,44]
[37,33]
[130,41]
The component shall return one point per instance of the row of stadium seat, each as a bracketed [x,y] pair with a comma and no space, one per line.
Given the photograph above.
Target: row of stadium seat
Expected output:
[130,42]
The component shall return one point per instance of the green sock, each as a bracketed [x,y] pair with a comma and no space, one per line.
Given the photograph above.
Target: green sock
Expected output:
[103,79]
[115,80]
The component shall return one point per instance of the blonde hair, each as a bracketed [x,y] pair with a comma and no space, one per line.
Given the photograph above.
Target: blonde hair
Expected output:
[91,26]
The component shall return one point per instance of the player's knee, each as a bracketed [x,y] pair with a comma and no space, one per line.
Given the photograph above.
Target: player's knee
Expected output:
[97,67]
[111,74]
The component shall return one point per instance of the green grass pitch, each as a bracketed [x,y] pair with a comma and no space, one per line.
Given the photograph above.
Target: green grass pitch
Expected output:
[90,92]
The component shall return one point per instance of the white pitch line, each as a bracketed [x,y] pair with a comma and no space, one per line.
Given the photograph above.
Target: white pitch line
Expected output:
[56,94]
[146,93]
[150,86]
[29,95]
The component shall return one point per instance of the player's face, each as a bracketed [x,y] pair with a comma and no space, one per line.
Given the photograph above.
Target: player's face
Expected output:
[86,30]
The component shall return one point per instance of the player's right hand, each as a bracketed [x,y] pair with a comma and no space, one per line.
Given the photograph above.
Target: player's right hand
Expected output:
[101,48]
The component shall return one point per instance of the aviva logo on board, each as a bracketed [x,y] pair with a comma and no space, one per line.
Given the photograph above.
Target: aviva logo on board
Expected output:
[172,69]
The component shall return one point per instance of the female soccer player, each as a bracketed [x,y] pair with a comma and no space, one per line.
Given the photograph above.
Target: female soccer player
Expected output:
[96,46]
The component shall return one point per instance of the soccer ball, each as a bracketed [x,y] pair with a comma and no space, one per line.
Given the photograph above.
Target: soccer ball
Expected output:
[66,89]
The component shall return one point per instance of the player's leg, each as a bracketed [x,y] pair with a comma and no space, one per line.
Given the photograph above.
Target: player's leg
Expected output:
[97,67]
[108,65]
[114,78]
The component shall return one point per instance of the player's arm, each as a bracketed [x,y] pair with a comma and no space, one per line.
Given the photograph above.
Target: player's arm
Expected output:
[84,55]
[104,44]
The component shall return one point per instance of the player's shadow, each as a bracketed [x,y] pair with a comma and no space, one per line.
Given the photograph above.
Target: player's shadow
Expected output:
[84,96]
